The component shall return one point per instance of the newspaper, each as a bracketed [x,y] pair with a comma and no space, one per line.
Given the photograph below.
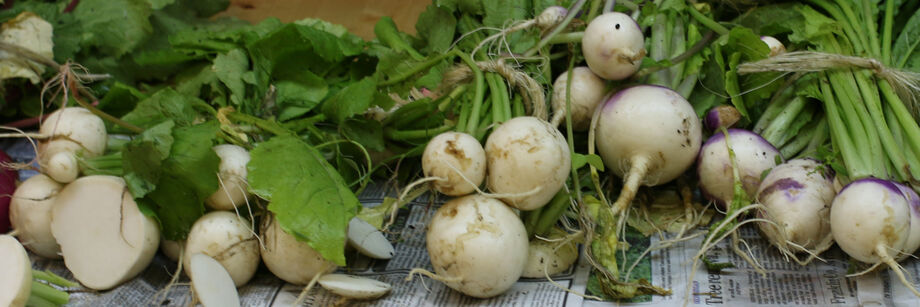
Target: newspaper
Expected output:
[821,283]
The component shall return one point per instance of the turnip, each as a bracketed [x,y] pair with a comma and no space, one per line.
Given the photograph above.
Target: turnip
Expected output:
[548,258]
[776,47]
[646,135]
[8,178]
[292,260]
[211,282]
[171,249]
[30,213]
[528,162]
[353,286]
[587,92]
[104,237]
[871,221]
[233,189]
[548,18]
[227,238]
[613,46]
[753,155]
[71,131]
[477,245]
[16,280]
[368,240]
[797,196]
[456,161]
[913,239]
[723,116]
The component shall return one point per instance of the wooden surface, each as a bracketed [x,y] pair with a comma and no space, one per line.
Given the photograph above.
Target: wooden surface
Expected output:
[359,16]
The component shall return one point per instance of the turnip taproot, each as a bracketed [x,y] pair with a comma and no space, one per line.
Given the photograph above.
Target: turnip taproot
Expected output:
[647,135]
[753,156]
[105,239]
[613,46]
[227,238]
[233,189]
[528,162]
[587,92]
[30,213]
[16,280]
[292,260]
[457,162]
[71,131]
[477,245]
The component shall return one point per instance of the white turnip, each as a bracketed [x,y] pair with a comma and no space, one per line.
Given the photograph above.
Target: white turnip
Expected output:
[105,239]
[548,258]
[647,135]
[227,238]
[30,213]
[613,46]
[587,92]
[292,260]
[753,156]
[233,189]
[71,131]
[528,162]
[477,245]
[457,161]
[16,280]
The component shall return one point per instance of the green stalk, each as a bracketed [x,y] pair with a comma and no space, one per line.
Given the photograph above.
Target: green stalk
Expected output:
[530,219]
[769,115]
[478,93]
[801,139]
[872,29]
[849,31]
[795,128]
[874,104]
[780,124]
[567,38]
[906,121]
[387,33]
[552,212]
[266,125]
[818,138]
[110,164]
[38,301]
[302,124]
[859,126]
[53,279]
[899,135]
[569,130]
[886,33]
[405,74]
[842,142]
[465,109]
[408,135]
[506,101]
[517,106]
[594,10]
[706,21]
[49,293]
[494,90]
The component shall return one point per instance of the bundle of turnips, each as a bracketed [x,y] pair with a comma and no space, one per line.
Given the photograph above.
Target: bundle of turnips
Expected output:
[544,133]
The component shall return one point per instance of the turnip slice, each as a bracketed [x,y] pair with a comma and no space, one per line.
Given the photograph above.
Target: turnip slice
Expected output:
[16,279]
[30,212]
[753,156]
[292,260]
[228,239]
[477,245]
[368,240]
[353,286]
[104,237]
[212,283]
[528,162]
[647,135]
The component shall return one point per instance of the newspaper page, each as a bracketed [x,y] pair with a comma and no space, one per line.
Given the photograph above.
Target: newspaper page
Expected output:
[821,283]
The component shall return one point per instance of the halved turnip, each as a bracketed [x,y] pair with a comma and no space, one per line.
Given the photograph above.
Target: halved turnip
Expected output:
[105,239]
[292,260]
[368,240]
[228,239]
[30,214]
[211,282]
[16,280]
[353,286]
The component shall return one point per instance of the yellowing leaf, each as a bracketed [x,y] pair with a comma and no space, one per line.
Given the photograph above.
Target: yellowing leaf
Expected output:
[29,32]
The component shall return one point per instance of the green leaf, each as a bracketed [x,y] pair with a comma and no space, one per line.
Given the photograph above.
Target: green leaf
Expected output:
[580,160]
[905,52]
[188,177]
[165,104]
[120,99]
[114,26]
[309,198]
[143,156]
[436,26]
[367,132]
[351,100]
[159,4]
[229,67]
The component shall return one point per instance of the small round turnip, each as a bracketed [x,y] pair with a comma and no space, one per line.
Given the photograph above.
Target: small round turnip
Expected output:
[870,220]
[453,156]
[550,17]
[478,245]
[233,189]
[71,131]
[528,162]
[753,156]
[613,46]
[292,260]
[587,92]
[227,238]
[171,249]
[797,196]
[30,213]
[16,280]
[647,135]
[548,258]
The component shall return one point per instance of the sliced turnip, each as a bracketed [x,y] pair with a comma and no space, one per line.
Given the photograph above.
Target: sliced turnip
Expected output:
[587,92]
[528,162]
[647,135]
[477,245]
[353,286]
[228,239]
[292,260]
[104,237]
[212,284]
[457,160]
[30,213]
[797,197]
[233,189]
[16,280]
[71,131]
[613,46]
[368,240]
[753,157]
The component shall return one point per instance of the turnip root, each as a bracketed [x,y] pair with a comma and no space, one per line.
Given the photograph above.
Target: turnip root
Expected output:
[71,131]
[776,47]
[528,162]
[227,238]
[477,245]
[16,280]
[871,221]
[171,249]
[233,189]
[458,162]
[613,46]
[291,260]
[211,282]
[721,117]
[30,213]
[548,258]
[587,92]
[8,178]
[753,156]
[797,197]
[646,135]
[354,287]
[104,237]
[368,240]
